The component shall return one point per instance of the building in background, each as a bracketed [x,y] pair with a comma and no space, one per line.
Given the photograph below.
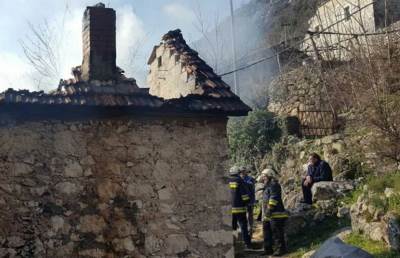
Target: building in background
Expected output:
[339,26]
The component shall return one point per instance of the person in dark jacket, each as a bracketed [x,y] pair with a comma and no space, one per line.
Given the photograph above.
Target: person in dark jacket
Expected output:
[274,215]
[239,200]
[250,184]
[318,170]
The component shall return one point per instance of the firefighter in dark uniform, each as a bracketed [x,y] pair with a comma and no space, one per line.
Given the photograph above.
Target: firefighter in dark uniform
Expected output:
[239,200]
[274,215]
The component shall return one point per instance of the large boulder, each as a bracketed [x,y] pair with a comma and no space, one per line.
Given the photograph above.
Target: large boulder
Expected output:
[300,217]
[323,191]
[336,248]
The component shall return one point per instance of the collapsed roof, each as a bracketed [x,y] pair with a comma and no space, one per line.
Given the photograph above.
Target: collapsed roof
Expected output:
[119,92]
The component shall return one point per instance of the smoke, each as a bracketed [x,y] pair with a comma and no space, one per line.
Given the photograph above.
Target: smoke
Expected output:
[179,13]
[251,45]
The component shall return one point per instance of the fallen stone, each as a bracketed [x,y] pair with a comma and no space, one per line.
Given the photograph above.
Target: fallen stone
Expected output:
[336,248]
[330,190]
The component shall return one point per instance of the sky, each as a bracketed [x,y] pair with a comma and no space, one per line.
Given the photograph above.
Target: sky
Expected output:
[140,26]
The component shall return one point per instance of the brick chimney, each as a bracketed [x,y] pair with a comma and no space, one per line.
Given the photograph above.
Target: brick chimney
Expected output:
[99,44]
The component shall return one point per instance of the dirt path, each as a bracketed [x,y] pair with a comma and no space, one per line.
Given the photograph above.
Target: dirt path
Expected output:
[258,245]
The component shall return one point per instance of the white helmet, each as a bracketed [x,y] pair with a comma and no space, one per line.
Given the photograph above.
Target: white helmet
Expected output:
[269,172]
[234,170]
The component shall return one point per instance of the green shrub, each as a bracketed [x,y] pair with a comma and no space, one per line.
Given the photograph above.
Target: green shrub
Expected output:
[279,154]
[251,137]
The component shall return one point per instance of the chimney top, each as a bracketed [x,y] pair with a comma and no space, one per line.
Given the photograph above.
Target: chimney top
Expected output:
[99,44]
[100,5]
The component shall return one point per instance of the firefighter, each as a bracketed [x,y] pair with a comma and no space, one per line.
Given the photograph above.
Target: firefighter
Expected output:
[274,215]
[250,184]
[239,200]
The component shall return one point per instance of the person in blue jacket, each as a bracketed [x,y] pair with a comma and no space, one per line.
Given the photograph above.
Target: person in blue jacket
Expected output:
[239,200]
[251,188]
[318,170]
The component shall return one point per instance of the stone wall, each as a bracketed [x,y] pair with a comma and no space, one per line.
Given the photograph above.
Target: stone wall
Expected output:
[114,188]
[299,93]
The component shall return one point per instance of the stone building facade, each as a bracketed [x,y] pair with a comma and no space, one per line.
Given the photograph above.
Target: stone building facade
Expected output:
[102,168]
[338,26]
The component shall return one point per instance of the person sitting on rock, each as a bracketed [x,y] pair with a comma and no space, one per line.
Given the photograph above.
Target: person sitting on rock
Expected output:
[274,215]
[239,201]
[318,170]
[250,184]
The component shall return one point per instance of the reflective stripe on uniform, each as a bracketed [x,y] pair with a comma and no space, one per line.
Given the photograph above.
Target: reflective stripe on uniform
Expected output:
[245,197]
[276,215]
[236,210]
[279,215]
[272,202]
[233,185]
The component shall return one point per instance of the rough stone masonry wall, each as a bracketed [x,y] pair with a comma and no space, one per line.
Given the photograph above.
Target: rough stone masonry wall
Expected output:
[300,93]
[115,188]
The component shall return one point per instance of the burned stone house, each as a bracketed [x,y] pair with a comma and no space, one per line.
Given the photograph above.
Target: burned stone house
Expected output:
[338,26]
[102,168]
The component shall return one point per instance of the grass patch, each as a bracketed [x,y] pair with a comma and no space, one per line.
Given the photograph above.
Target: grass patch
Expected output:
[378,184]
[376,248]
[352,196]
[312,237]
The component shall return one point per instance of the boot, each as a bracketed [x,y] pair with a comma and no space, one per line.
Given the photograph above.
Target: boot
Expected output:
[268,251]
[280,252]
